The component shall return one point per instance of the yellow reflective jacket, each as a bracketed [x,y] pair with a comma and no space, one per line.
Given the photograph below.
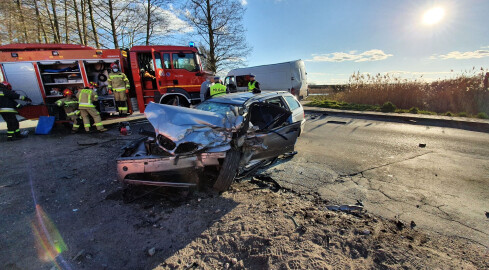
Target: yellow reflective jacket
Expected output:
[118,82]
[86,97]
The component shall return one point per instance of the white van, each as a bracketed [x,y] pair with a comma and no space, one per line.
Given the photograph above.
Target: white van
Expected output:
[289,76]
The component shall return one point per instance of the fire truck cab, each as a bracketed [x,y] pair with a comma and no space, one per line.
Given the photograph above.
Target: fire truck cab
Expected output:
[166,74]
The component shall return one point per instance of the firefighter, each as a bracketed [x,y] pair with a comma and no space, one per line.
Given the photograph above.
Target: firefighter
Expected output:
[253,85]
[119,84]
[217,89]
[204,88]
[70,105]
[8,110]
[146,75]
[86,97]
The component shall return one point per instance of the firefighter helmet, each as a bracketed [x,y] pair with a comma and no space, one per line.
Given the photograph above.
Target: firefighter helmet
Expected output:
[67,92]
[114,65]
[93,85]
[7,85]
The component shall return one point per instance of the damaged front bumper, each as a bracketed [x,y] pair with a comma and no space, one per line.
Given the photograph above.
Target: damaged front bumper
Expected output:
[128,168]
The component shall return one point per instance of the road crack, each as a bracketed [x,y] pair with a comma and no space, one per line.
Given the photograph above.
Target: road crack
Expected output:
[385,165]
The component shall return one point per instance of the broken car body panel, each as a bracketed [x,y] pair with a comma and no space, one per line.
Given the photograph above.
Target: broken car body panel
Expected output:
[198,138]
[183,130]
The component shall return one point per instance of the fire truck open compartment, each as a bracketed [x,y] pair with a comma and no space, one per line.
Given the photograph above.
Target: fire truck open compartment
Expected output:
[57,76]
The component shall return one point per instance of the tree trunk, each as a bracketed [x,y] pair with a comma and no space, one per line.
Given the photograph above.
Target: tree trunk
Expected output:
[148,22]
[21,14]
[84,20]
[95,36]
[212,47]
[66,22]
[51,22]
[55,17]
[75,6]
[9,27]
[40,25]
[112,24]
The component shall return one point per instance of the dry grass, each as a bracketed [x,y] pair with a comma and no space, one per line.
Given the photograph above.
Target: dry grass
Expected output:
[466,92]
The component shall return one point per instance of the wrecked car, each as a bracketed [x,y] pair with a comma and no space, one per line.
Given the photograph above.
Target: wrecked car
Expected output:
[230,135]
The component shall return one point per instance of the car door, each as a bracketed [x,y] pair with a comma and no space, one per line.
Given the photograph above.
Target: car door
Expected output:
[295,107]
[275,135]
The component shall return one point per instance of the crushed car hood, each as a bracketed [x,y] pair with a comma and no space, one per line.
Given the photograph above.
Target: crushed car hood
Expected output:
[183,130]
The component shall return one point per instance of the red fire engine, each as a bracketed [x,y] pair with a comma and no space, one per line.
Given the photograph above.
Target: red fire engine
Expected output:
[163,74]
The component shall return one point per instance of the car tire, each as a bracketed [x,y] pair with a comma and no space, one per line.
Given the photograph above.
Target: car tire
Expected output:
[228,171]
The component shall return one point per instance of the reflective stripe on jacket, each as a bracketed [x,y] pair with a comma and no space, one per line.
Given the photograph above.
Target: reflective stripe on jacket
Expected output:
[7,100]
[118,81]
[217,90]
[8,110]
[86,97]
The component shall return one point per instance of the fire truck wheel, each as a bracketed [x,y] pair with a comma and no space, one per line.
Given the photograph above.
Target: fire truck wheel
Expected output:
[176,101]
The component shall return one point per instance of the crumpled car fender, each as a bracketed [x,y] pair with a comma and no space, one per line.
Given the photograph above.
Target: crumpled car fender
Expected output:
[191,129]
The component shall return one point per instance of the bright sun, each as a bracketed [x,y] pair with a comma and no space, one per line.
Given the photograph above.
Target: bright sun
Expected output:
[433,16]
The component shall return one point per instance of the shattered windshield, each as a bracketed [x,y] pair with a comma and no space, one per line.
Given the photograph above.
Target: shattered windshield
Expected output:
[216,107]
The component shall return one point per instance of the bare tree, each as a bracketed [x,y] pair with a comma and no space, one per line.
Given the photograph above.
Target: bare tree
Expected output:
[148,21]
[75,7]
[123,23]
[94,29]
[83,4]
[112,24]
[56,40]
[40,25]
[160,22]
[22,21]
[219,25]
[66,21]
[55,20]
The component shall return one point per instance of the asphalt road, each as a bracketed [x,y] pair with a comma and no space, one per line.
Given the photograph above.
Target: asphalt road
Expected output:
[437,177]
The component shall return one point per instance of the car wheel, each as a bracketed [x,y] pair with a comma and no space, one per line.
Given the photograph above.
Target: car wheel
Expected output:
[228,171]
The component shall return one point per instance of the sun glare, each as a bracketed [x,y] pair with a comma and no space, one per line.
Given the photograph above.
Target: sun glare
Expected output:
[433,16]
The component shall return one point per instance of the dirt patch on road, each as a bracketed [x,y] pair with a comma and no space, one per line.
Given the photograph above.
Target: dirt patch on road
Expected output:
[68,182]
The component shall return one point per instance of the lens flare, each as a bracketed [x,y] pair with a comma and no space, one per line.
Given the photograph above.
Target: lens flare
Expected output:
[49,242]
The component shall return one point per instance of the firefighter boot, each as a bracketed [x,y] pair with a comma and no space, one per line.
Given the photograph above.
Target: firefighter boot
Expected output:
[19,135]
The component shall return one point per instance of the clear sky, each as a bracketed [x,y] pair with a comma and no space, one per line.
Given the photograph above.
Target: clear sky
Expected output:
[337,38]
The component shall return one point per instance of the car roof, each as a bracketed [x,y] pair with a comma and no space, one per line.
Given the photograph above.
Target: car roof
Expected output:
[246,97]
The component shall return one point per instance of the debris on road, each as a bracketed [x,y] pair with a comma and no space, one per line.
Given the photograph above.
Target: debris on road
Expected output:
[413,224]
[487,214]
[422,145]
[290,154]
[365,232]
[78,255]
[345,208]
[400,225]
[151,251]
